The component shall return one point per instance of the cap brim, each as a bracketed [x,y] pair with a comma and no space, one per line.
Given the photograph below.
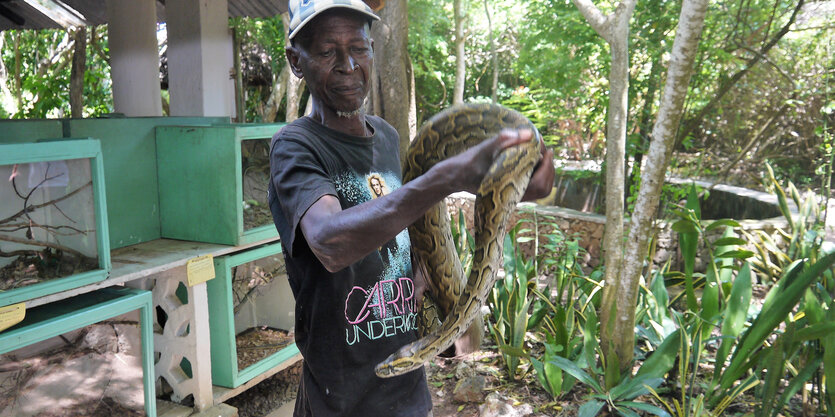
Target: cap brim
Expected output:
[304,22]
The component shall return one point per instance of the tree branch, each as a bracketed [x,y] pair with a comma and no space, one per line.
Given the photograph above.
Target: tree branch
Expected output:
[35,207]
[57,246]
[599,22]
[726,86]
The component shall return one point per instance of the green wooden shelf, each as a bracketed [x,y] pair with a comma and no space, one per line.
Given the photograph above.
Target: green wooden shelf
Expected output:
[201,186]
[69,314]
[277,303]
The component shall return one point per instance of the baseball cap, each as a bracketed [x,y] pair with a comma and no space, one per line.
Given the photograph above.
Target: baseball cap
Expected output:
[303,11]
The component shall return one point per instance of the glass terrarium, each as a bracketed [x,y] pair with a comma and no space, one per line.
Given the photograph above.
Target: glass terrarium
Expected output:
[213,182]
[252,313]
[53,227]
[86,355]
[255,175]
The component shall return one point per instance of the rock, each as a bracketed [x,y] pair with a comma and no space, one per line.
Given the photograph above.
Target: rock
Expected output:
[495,406]
[464,370]
[469,389]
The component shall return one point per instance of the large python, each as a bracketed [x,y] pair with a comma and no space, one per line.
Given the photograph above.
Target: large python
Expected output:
[449,133]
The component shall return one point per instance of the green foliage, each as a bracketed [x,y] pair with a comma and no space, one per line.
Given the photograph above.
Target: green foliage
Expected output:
[619,398]
[262,55]
[431,50]
[38,67]
[510,303]
[796,303]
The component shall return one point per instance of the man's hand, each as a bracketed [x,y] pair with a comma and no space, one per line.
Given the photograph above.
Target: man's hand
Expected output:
[542,180]
[421,280]
[474,163]
[467,169]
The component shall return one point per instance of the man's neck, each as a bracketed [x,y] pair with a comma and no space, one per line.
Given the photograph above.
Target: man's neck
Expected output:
[353,123]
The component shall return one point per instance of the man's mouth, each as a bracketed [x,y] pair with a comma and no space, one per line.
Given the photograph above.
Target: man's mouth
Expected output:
[348,89]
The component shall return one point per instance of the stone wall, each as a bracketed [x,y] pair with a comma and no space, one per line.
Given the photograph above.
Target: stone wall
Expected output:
[588,228]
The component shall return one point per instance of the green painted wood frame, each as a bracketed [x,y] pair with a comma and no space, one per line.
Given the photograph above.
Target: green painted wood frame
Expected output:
[130,167]
[225,370]
[200,183]
[63,149]
[69,314]
[29,130]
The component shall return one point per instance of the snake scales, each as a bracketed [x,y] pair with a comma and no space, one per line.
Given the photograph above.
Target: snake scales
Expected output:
[447,134]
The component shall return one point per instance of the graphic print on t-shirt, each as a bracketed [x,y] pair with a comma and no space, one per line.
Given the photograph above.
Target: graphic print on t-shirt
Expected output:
[386,307]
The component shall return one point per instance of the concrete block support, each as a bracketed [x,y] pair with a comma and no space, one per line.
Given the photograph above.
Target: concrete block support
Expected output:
[199,58]
[134,57]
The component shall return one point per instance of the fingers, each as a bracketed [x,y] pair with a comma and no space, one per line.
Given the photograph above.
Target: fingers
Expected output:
[508,138]
[421,277]
[542,180]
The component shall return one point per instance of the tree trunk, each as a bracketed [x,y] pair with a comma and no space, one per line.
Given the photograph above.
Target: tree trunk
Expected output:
[459,10]
[614,28]
[240,101]
[685,48]
[493,55]
[277,93]
[391,95]
[295,85]
[79,64]
[96,45]
[7,99]
[18,91]
[644,124]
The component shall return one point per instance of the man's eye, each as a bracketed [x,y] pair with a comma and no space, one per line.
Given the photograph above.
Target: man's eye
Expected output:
[326,53]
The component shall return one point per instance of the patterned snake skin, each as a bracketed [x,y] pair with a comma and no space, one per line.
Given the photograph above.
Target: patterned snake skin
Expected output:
[455,299]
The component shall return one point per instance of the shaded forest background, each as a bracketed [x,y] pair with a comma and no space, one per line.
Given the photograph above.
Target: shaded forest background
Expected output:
[762,90]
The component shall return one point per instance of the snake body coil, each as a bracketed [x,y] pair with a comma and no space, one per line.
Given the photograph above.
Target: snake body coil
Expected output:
[447,134]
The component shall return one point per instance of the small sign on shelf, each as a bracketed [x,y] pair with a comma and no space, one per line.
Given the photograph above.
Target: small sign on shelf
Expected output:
[11,315]
[200,269]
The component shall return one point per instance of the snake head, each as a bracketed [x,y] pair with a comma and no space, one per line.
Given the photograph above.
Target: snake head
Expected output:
[392,368]
[398,363]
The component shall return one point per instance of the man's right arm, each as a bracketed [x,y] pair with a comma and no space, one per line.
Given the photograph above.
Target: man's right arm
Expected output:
[340,237]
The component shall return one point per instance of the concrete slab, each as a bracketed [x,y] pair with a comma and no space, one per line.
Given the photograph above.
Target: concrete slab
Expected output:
[169,409]
[220,410]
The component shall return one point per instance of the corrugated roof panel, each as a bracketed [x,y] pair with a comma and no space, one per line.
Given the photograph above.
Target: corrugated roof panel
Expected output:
[16,14]
[257,8]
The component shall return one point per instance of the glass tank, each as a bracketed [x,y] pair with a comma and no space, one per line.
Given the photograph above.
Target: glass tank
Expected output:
[252,315]
[92,371]
[256,289]
[255,175]
[48,228]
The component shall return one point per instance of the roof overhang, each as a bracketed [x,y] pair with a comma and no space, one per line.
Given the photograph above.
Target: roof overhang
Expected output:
[55,14]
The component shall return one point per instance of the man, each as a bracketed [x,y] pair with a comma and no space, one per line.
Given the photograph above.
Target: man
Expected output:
[354,304]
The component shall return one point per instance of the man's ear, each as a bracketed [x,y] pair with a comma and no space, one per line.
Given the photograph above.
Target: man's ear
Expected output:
[293,56]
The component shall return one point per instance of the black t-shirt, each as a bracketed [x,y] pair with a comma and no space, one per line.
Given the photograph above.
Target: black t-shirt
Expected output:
[348,321]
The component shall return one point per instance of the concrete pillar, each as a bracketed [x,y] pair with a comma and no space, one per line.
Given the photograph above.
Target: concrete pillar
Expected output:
[199,58]
[134,57]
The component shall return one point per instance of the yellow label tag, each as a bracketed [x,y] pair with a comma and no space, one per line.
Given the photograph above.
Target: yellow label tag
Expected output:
[200,269]
[11,315]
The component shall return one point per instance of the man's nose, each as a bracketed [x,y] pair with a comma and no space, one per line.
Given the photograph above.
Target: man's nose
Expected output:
[347,63]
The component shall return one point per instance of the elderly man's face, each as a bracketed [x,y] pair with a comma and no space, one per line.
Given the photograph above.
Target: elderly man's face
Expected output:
[337,65]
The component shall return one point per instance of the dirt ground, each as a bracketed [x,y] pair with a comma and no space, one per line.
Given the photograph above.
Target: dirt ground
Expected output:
[257,343]
[42,266]
[523,395]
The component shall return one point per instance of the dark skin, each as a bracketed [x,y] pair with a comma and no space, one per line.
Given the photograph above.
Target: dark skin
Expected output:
[337,67]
